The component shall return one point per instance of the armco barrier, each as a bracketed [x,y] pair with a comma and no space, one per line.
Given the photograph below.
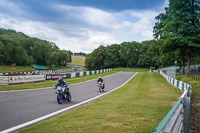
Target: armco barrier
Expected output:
[4,80]
[178,118]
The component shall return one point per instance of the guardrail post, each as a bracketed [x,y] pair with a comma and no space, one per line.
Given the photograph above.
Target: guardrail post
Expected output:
[187,110]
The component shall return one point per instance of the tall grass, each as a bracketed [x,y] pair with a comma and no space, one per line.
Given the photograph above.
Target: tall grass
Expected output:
[195,84]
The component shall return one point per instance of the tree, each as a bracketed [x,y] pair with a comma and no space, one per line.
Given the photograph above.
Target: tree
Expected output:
[179,28]
[112,56]
[95,60]
[63,57]
[1,53]
[129,52]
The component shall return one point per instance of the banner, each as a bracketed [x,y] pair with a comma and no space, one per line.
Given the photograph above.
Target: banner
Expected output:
[25,78]
[56,76]
[3,80]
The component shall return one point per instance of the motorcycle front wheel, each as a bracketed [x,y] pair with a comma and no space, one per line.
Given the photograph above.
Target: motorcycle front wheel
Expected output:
[99,88]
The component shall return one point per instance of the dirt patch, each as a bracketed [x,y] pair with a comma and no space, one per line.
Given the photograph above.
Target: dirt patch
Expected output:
[195,115]
[113,115]
[113,124]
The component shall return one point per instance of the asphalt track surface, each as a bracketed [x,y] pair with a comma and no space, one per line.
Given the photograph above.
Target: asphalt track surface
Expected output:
[18,107]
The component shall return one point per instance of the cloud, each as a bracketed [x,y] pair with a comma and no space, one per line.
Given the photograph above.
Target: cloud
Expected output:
[145,24]
[31,28]
[116,5]
[77,28]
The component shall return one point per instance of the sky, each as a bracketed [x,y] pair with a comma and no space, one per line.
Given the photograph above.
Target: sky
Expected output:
[82,25]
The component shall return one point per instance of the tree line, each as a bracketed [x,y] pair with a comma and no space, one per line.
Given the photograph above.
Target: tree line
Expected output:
[176,39]
[126,54]
[16,47]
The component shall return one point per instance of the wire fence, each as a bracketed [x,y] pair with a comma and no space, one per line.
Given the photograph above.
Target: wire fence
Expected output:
[195,76]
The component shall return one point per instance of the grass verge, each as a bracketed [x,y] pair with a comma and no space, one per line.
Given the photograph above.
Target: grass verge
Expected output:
[195,102]
[138,106]
[6,69]
[51,83]
[194,83]
[128,69]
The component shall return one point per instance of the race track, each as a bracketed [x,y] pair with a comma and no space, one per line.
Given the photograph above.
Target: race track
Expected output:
[18,107]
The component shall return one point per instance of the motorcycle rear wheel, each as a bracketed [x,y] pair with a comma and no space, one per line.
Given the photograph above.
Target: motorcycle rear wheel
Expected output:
[69,97]
[59,99]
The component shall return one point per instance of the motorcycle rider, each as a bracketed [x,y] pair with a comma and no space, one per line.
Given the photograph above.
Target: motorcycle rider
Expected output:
[61,82]
[100,80]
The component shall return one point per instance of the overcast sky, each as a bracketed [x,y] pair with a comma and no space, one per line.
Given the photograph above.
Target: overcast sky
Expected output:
[82,25]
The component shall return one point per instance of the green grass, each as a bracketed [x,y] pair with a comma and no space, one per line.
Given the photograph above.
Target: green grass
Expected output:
[128,69]
[138,106]
[78,60]
[51,83]
[58,68]
[194,83]
[6,68]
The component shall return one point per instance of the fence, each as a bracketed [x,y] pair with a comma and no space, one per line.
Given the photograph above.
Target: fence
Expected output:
[5,80]
[178,118]
[76,74]
[195,76]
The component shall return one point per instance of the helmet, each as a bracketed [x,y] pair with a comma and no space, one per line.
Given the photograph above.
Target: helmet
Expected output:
[60,79]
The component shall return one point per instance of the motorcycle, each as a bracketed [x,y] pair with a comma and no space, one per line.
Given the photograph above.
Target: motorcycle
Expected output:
[63,94]
[101,86]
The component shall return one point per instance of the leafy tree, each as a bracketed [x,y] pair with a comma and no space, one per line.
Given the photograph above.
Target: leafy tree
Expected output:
[1,53]
[63,57]
[129,52]
[112,57]
[16,47]
[178,29]
[95,60]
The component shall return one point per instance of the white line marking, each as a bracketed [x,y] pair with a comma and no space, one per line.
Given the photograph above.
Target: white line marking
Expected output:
[62,110]
[52,87]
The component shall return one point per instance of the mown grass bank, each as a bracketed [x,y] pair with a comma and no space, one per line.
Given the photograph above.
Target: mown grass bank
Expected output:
[128,69]
[138,106]
[78,60]
[51,83]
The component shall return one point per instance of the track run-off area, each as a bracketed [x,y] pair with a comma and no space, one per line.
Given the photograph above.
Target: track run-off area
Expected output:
[23,108]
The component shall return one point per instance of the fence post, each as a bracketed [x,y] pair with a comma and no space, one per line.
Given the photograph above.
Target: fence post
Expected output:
[177,83]
[187,109]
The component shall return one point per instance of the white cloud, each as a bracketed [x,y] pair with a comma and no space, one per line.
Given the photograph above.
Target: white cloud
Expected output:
[31,28]
[91,17]
[143,27]
[82,29]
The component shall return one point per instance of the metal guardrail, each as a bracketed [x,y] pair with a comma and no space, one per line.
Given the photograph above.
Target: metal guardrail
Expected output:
[178,118]
[5,80]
